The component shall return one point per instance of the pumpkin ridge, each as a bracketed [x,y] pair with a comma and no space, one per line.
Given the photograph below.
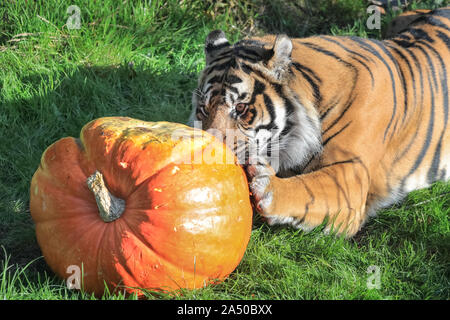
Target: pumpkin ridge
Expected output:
[115,225]
[54,184]
[72,246]
[99,249]
[171,162]
[44,171]
[176,161]
[200,149]
[138,236]
[137,186]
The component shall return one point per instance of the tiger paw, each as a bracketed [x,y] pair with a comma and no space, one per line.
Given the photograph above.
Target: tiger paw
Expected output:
[261,175]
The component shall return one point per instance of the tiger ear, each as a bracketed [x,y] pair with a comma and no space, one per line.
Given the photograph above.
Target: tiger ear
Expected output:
[281,59]
[215,41]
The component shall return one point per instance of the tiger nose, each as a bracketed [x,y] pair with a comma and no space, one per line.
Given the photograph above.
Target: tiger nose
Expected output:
[218,128]
[218,119]
[219,134]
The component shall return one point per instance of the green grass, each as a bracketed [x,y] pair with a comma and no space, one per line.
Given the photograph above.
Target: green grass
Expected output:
[134,59]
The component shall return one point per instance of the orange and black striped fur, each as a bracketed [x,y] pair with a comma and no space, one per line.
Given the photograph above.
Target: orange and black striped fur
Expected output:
[361,122]
[404,21]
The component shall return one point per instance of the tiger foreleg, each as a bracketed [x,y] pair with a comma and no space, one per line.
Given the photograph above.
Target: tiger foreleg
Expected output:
[335,194]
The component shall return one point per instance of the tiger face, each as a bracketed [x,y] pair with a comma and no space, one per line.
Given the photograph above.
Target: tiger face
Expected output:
[244,99]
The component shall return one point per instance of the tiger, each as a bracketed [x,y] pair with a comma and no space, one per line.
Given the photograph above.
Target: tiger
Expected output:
[356,124]
[404,21]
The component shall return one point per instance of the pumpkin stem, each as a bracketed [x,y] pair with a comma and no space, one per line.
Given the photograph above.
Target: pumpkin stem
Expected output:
[109,206]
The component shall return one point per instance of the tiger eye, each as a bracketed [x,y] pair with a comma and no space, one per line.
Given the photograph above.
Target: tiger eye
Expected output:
[241,108]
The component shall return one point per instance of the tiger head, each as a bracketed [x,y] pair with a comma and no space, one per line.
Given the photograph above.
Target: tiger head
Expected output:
[244,97]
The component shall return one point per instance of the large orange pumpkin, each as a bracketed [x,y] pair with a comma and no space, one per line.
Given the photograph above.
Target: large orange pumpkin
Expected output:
[153,205]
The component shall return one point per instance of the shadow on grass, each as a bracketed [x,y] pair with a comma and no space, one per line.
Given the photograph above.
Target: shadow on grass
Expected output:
[29,125]
[301,18]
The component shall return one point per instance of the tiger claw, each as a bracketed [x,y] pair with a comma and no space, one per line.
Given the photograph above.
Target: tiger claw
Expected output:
[260,174]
